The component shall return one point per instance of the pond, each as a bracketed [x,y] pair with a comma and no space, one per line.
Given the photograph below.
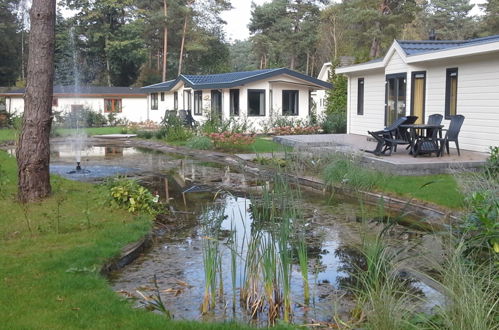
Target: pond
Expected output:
[218,232]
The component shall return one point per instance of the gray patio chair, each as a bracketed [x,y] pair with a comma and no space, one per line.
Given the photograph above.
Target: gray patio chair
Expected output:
[403,133]
[435,119]
[187,119]
[388,138]
[452,134]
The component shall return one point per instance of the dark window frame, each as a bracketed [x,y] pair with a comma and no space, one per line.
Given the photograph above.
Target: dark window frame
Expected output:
[198,102]
[116,105]
[264,102]
[175,100]
[154,101]
[233,93]
[413,79]
[449,74]
[189,100]
[360,96]
[162,96]
[216,93]
[297,102]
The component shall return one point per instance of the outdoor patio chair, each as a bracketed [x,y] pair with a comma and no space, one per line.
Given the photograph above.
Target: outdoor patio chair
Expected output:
[388,138]
[435,119]
[187,119]
[452,134]
[404,134]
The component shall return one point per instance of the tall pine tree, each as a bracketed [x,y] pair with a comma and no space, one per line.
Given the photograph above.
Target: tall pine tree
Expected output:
[450,19]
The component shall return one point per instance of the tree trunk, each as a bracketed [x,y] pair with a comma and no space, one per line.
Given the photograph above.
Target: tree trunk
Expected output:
[308,63]
[182,44]
[165,40]
[33,150]
[108,67]
[335,40]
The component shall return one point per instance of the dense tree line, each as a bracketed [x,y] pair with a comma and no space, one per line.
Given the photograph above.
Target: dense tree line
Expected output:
[139,42]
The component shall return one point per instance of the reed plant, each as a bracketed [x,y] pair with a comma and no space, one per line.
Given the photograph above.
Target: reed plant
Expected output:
[233,247]
[270,279]
[210,264]
[285,268]
[212,259]
[250,295]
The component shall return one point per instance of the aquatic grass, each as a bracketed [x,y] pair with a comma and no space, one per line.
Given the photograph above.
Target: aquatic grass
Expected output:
[250,294]
[212,259]
[210,264]
[384,300]
[470,290]
[233,247]
[269,274]
[285,268]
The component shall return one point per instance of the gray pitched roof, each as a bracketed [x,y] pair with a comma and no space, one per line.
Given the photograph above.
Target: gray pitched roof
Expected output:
[231,79]
[89,90]
[415,47]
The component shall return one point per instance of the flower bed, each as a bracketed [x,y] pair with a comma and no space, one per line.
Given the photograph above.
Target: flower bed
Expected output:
[229,140]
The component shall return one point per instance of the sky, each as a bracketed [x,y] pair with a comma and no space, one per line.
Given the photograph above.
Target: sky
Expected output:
[238,18]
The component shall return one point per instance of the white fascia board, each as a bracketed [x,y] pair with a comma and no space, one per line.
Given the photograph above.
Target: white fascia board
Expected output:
[455,52]
[360,67]
[177,86]
[324,69]
[395,47]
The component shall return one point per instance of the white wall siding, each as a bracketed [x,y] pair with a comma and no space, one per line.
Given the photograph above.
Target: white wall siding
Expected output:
[134,109]
[374,104]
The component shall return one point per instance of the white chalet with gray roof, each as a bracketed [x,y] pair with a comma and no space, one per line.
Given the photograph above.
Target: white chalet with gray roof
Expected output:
[128,103]
[256,96]
[428,77]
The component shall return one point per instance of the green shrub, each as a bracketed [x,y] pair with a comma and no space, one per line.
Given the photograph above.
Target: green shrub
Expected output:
[84,118]
[174,130]
[161,133]
[145,134]
[492,164]
[200,142]
[334,123]
[214,124]
[128,194]
[482,223]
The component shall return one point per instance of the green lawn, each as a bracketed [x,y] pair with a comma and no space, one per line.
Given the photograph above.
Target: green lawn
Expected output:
[91,130]
[51,255]
[261,145]
[8,134]
[441,189]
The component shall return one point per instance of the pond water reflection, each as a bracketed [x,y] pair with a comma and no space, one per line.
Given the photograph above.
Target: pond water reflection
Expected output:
[193,188]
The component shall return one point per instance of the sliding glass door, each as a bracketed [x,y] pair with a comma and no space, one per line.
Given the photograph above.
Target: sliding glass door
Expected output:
[395,95]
